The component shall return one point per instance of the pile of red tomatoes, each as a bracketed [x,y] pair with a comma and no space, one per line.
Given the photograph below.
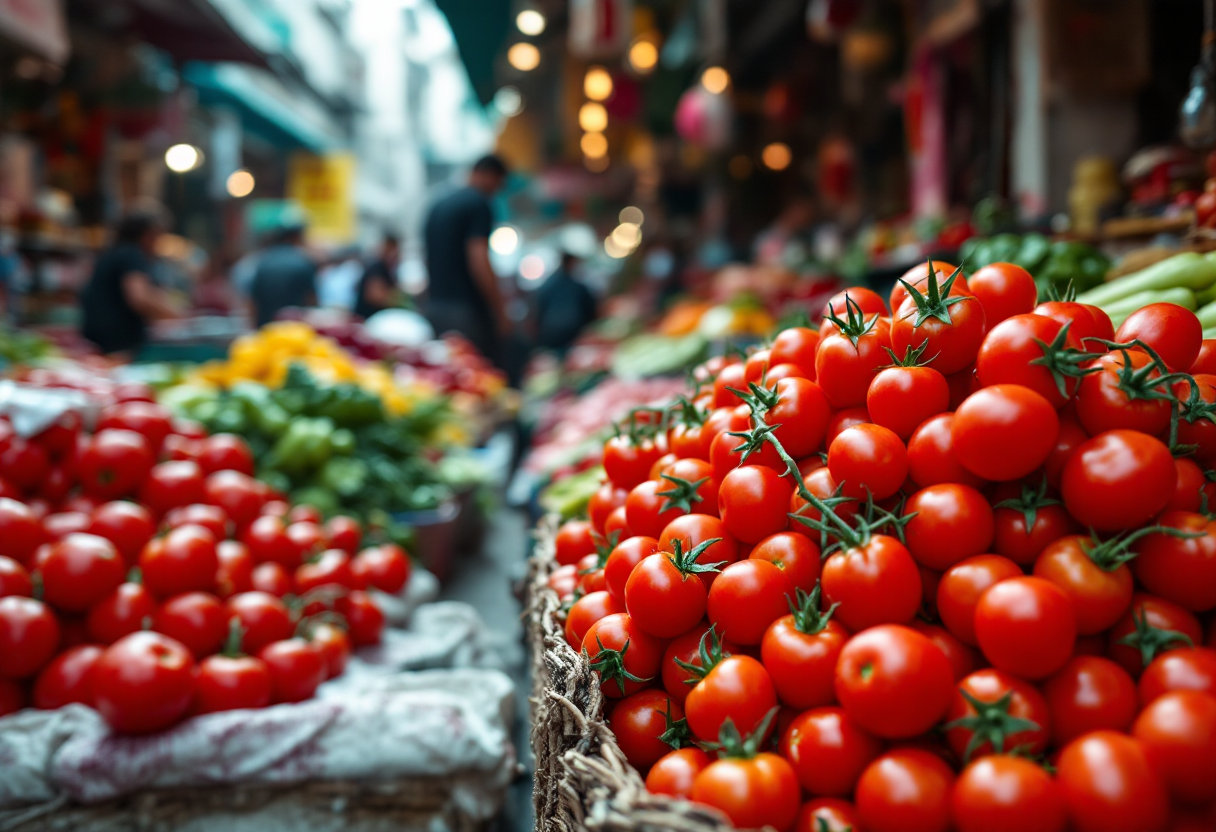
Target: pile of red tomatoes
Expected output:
[144,572]
[950,568]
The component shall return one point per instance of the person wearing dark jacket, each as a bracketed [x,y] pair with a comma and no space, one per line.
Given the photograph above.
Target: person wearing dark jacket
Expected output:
[285,277]
[377,288]
[564,306]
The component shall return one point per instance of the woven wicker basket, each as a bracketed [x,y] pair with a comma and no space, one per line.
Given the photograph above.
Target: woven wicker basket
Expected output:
[582,779]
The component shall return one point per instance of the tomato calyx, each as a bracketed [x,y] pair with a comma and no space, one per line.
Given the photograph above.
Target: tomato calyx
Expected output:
[1109,555]
[911,356]
[610,664]
[1052,293]
[990,723]
[935,302]
[1029,502]
[307,626]
[808,618]
[687,412]
[1145,383]
[1152,641]
[603,548]
[855,324]
[232,644]
[676,732]
[686,562]
[1064,362]
[711,653]
[682,494]
[733,745]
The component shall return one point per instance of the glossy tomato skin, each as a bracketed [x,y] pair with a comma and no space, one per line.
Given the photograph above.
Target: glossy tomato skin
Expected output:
[586,611]
[235,572]
[960,589]
[124,611]
[624,557]
[211,518]
[1157,613]
[640,653]
[747,597]
[574,541]
[797,346]
[761,791]
[638,721]
[931,457]
[868,459]
[1172,331]
[662,600]
[1004,432]
[228,683]
[646,511]
[68,678]
[197,620]
[226,452]
[129,526]
[1099,596]
[918,276]
[1025,702]
[905,790]
[1178,733]
[739,689]
[1088,323]
[844,370]
[1202,431]
[267,540]
[754,502]
[184,560]
[144,682]
[963,659]
[953,345]
[951,523]
[1205,361]
[893,681]
[803,665]
[331,568]
[263,617]
[272,578]
[1010,349]
[79,571]
[171,485]
[1188,492]
[794,554]
[14,579]
[1012,540]
[1109,786]
[1025,626]
[673,774]
[1118,480]
[1180,570]
[1101,405]
[335,646]
[20,531]
[1004,290]
[152,421]
[1182,669]
[345,533]
[877,583]
[677,681]
[627,462]
[364,619]
[802,411]
[29,635]
[240,496]
[1089,693]
[901,398]
[1007,794]
[827,814]
[828,750]
[296,667]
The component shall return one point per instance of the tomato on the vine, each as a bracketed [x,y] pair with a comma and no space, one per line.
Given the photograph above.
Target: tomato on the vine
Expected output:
[627,461]
[901,398]
[737,688]
[639,721]
[848,358]
[948,524]
[1128,391]
[1170,330]
[1178,569]
[1150,627]
[1089,324]
[1093,575]
[996,713]
[624,655]
[1118,480]
[876,582]
[1035,352]
[754,501]
[794,554]
[753,792]
[945,320]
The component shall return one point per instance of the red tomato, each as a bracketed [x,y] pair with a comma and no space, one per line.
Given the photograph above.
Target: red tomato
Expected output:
[624,557]
[1025,626]
[148,419]
[226,452]
[271,578]
[1205,361]
[1180,570]
[335,646]
[868,460]
[724,458]
[615,524]
[114,463]
[950,523]
[1188,490]
[385,567]
[1104,401]
[627,462]
[1194,425]
[948,323]
[918,276]
[797,346]
[664,594]
[235,572]
[29,636]
[296,667]
[127,525]
[755,792]
[844,369]
[268,540]
[648,512]
[801,413]
[1185,668]
[1094,578]
[1026,521]
[996,713]
[901,398]
[61,438]
[211,518]
[68,678]
[841,421]
[638,721]
[20,531]
[575,540]
[1004,290]
[604,500]
[963,659]
[58,482]
[819,483]
[24,463]
[828,751]
[79,571]
[1118,480]
[1109,786]
[960,589]
[1070,437]
[893,681]
[241,497]
[184,560]
[745,599]
[625,656]
[364,620]
[14,579]
[182,447]
[732,376]
[1004,432]
[1178,734]
[307,536]
[172,484]
[827,814]
[1150,627]
[263,617]
[1033,351]
[1007,794]
[794,554]
[126,610]
[144,682]
[198,620]
[753,501]
[345,533]
[673,774]
[228,683]
[331,569]
[931,457]
[1089,324]
[1089,693]
[586,611]
[737,688]
[905,789]
[1172,331]
[875,583]
[864,300]
[59,525]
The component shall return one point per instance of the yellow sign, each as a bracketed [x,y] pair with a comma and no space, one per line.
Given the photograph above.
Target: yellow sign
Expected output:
[323,186]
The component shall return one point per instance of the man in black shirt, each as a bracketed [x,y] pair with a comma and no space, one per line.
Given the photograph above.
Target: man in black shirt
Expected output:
[285,277]
[121,297]
[463,292]
[564,306]
[377,288]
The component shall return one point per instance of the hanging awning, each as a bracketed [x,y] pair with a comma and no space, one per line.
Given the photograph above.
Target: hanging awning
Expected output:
[189,30]
[480,28]
[268,108]
[37,25]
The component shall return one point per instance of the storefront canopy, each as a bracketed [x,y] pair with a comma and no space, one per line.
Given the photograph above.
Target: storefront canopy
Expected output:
[189,30]
[480,27]
[36,25]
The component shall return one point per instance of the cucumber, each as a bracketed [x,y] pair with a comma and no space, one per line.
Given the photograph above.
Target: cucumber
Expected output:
[1119,310]
[1207,315]
[1187,270]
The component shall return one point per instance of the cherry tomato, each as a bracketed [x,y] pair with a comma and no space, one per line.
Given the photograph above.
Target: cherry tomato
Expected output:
[960,589]
[678,680]
[951,345]
[868,460]
[1089,324]
[901,398]
[59,525]
[755,792]
[949,523]
[128,609]
[184,560]
[844,369]
[800,650]
[1172,331]
[745,599]
[235,572]
[79,571]
[68,678]
[114,463]
[263,618]
[296,667]
[616,524]
[1178,734]
[622,654]
[144,682]
[802,413]
[827,814]
[1089,693]
[624,557]
[737,688]
[627,462]
[14,579]
[1105,402]
[1012,714]
[198,620]
[797,346]
[146,418]
[638,721]
[1027,523]
[333,643]
[128,526]
[1004,290]
[875,583]
[821,484]
[794,554]
[29,635]
[172,484]
[828,750]
[585,612]
[1092,576]
[905,789]
[931,457]
[385,567]
[963,659]
[574,541]
[241,497]
[1025,626]
[271,578]
[673,774]
[24,463]
[211,518]
[1004,432]
[841,421]
[1118,480]
[1181,570]
[20,531]
[364,619]
[226,452]
[307,536]
[1188,488]
[228,683]
[918,276]
[268,540]
[1151,626]
[1031,351]
[893,681]
[1007,794]
[754,501]
[331,569]
[1185,668]
[1109,786]
[345,533]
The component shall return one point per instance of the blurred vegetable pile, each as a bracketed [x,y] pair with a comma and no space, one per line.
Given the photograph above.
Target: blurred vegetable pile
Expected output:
[1053,263]
[21,347]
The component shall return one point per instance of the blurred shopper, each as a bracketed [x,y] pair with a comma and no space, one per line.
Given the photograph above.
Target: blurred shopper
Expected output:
[285,276]
[338,281]
[378,287]
[463,293]
[564,306]
[121,298]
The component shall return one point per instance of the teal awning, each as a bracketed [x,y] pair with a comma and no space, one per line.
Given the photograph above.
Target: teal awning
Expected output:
[480,28]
